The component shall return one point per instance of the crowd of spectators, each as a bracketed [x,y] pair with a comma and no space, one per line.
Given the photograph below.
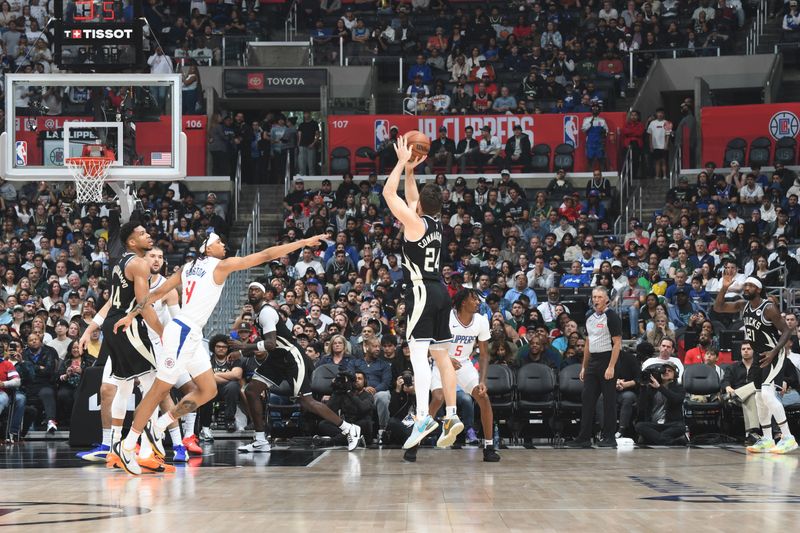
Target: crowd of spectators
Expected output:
[55,271]
[530,56]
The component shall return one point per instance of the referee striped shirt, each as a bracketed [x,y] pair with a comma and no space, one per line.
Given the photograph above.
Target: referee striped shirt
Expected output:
[601,328]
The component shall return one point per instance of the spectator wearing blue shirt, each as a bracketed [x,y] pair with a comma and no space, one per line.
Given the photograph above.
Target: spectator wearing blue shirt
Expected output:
[378,372]
[340,355]
[575,278]
[698,293]
[684,308]
[420,67]
[520,288]
[701,256]
[680,284]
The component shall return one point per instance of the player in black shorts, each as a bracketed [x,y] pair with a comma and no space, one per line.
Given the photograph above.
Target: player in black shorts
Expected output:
[427,301]
[767,332]
[285,362]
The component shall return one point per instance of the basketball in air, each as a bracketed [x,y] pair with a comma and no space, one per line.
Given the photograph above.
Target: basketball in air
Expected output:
[418,142]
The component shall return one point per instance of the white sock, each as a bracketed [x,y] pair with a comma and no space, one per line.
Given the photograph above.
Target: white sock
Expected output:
[764,417]
[163,421]
[131,439]
[116,434]
[260,436]
[450,411]
[345,427]
[488,443]
[187,424]
[175,435]
[107,436]
[145,449]
[422,375]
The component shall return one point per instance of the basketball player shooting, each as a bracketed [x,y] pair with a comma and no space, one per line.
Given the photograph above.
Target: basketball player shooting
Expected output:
[427,301]
[768,334]
[201,283]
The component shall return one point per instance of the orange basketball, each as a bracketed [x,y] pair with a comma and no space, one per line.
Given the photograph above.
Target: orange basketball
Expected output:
[418,142]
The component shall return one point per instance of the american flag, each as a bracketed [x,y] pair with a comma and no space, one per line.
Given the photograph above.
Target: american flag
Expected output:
[161,159]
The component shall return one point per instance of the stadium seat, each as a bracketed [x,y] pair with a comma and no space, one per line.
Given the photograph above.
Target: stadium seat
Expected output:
[540,158]
[321,380]
[565,157]
[340,160]
[286,410]
[760,150]
[500,387]
[702,407]
[365,160]
[734,151]
[536,404]
[786,151]
[570,388]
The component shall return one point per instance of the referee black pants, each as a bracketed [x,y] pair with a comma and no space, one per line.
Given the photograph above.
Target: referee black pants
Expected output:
[595,384]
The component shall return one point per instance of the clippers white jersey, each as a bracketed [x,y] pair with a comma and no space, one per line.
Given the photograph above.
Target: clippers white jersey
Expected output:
[161,309]
[464,336]
[200,295]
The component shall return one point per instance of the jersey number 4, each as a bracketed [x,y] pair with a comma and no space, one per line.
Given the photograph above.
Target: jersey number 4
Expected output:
[189,290]
[431,259]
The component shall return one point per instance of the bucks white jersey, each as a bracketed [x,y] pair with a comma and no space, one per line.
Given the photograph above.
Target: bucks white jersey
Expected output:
[200,294]
[464,336]
[161,308]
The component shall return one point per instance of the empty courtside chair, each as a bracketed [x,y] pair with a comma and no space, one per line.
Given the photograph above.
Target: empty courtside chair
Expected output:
[760,151]
[321,380]
[786,151]
[500,387]
[570,388]
[365,160]
[536,399]
[281,410]
[702,407]
[540,158]
[565,157]
[340,160]
[734,151]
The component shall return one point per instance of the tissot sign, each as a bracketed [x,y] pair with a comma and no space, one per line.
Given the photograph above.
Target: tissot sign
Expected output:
[274,82]
[98,34]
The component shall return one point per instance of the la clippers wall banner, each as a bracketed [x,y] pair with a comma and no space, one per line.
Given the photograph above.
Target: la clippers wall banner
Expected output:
[723,123]
[355,131]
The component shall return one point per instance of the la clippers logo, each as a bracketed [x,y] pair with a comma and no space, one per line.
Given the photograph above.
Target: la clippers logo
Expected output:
[255,81]
[169,362]
[784,124]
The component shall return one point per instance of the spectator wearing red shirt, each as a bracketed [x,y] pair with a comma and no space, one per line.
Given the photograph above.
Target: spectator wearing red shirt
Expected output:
[633,137]
[570,208]
[11,394]
[697,355]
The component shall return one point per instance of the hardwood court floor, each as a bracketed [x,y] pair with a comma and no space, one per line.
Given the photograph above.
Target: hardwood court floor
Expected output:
[647,490]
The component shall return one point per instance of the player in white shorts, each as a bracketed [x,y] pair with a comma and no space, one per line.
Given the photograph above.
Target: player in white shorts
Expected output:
[467,326]
[201,283]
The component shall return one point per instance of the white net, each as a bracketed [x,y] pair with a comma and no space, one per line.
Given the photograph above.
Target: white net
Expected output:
[90,175]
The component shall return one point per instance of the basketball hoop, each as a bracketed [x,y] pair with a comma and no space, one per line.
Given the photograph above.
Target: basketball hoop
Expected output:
[90,171]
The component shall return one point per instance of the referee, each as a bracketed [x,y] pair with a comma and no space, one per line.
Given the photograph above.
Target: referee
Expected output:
[604,329]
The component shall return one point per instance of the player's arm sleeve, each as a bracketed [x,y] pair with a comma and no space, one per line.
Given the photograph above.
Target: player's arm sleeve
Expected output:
[614,324]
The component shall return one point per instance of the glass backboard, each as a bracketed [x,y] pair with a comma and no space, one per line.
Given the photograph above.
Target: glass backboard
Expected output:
[52,116]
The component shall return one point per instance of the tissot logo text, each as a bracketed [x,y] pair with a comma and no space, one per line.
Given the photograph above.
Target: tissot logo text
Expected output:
[98,34]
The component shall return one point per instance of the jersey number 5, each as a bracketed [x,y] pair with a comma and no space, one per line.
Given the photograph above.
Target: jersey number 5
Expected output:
[431,259]
[189,290]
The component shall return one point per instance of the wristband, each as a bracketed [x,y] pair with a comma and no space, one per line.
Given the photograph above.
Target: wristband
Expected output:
[98,320]
[260,346]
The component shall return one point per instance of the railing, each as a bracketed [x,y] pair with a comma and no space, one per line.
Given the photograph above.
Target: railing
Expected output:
[667,53]
[234,49]
[780,47]
[756,29]
[290,24]
[625,185]
[237,183]
[675,167]
[230,299]
[407,103]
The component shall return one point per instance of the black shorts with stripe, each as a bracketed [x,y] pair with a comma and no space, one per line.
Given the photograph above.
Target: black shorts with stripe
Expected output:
[130,351]
[286,363]
[428,309]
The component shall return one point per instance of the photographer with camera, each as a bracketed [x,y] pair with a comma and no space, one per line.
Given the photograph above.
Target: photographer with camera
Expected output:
[661,406]
[352,402]
[402,407]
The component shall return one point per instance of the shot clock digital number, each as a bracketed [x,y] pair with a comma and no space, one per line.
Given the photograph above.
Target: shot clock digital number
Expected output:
[85,11]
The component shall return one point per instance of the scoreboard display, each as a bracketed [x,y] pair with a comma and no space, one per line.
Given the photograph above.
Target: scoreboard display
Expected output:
[99,35]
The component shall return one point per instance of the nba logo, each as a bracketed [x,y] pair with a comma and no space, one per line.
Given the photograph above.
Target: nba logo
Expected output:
[22,153]
[571,130]
[381,132]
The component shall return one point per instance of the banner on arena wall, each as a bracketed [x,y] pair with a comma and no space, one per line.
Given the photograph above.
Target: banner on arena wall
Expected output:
[151,137]
[355,131]
[720,124]
[274,82]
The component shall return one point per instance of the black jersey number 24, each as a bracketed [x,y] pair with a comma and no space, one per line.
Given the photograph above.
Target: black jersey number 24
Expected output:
[431,260]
